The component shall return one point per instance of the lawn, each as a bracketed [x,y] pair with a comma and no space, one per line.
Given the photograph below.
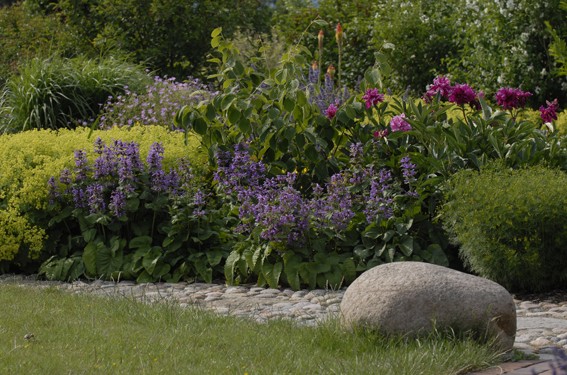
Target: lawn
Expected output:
[48,331]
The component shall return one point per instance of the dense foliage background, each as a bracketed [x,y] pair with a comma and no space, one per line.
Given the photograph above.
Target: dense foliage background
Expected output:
[325,138]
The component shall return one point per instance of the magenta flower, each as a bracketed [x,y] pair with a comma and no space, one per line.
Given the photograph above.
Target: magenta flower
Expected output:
[331,111]
[398,124]
[372,97]
[511,98]
[462,94]
[549,113]
[441,85]
[381,133]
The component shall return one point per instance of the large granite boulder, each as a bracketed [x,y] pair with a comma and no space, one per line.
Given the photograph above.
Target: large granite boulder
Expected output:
[411,298]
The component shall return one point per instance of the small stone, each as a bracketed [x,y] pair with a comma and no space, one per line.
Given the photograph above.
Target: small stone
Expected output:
[332,301]
[287,292]
[540,342]
[236,290]
[298,295]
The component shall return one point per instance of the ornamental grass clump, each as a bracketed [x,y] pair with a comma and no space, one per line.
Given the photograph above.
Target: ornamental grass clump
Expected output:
[57,93]
[121,217]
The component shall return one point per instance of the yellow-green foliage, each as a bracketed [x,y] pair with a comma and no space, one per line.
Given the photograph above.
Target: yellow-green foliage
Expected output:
[29,159]
[534,116]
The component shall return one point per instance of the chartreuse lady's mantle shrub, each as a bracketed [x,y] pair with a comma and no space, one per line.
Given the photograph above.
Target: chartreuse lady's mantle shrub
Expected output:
[31,158]
[510,225]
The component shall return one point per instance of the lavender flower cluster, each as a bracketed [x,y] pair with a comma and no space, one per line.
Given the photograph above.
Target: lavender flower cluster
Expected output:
[117,174]
[286,215]
[325,96]
[157,106]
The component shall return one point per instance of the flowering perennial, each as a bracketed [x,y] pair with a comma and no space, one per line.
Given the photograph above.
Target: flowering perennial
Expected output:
[399,124]
[372,97]
[512,98]
[549,113]
[284,214]
[116,175]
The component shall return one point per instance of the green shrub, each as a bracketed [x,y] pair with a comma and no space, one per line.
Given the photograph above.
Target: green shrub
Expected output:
[58,93]
[510,225]
[169,36]
[26,35]
[31,158]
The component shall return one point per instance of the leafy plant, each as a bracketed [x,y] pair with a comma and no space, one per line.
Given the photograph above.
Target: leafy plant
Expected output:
[509,225]
[117,214]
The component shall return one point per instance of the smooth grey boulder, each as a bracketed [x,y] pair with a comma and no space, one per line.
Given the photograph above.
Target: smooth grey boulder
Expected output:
[411,298]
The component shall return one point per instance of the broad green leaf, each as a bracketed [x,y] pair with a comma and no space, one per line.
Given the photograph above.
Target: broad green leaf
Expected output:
[140,241]
[272,273]
[106,262]
[214,257]
[230,265]
[216,32]
[89,258]
[200,126]
[151,259]
[233,115]
[89,235]
[145,277]
[406,245]
[292,263]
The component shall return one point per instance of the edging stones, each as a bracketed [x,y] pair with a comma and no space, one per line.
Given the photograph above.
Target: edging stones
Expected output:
[412,298]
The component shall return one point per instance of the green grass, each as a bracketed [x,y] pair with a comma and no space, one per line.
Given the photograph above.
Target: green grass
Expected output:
[82,334]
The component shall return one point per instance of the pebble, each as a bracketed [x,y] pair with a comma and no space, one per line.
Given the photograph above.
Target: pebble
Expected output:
[305,307]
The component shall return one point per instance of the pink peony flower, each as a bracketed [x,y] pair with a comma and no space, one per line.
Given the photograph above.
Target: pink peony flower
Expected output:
[372,97]
[398,124]
[331,111]
[441,85]
[462,94]
[511,98]
[549,113]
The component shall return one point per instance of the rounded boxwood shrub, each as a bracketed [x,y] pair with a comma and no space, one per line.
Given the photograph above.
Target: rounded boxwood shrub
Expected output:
[510,225]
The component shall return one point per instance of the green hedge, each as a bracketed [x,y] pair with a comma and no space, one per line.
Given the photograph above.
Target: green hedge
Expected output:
[511,225]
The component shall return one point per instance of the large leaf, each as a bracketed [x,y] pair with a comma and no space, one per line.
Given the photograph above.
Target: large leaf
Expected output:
[272,273]
[140,241]
[151,259]
[230,266]
[292,263]
[89,259]
[106,261]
